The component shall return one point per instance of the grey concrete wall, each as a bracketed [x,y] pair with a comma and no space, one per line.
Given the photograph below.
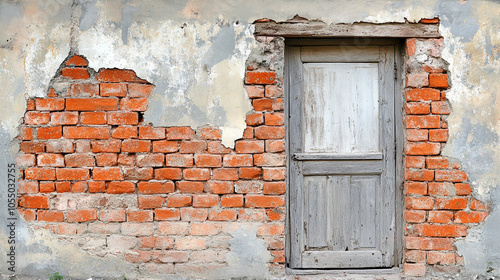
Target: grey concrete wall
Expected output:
[195,53]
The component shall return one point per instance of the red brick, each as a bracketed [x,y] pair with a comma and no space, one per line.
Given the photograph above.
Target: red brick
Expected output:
[190,147]
[414,216]
[276,214]
[411,45]
[194,214]
[254,215]
[216,147]
[416,188]
[82,146]
[237,160]
[153,187]
[50,216]
[415,162]
[134,173]
[269,132]
[118,75]
[264,201]
[126,159]
[136,146]
[28,187]
[414,269]
[269,159]
[165,146]
[441,107]
[438,80]
[79,160]
[124,132]
[107,174]
[210,133]
[249,146]
[274,174]
[189,187]
[250,173]
[93,118]
[86,132]
[27,214]
[204,228]
[440,217]
[451,175]
[79,187]
[63,118]
[179,133]
[440,189]
[463,189]
[196,174]
[54,132]
[234,200]
[148,132]
[150,160]
[72,174]
[436,163]
[91,104]
[141,216]
[140,90]
[478,205]
[167,214]
[417,80]
[30,104]
[276,119]
[278,104]
[470,217]
[451,203]
[123,118]
[419,203]
[97,186]
[273,91]
[46,187]
[440,230]
[244,186]
[429,243]
[179,201]
[112,215]
[255,91]
[62,187]
[440,258]
[263,78]
[41,174]
[137,256]
[262,104]
[56,160]
[75,73]
[168,173]
[36,118]
[417,135]
[49,104]
[270,229]
[225,174]
[26,160]
[222,215]
[134,104]
[84,90]
[422,148]
[205,160]
[34,201]
[77,60]
[205,200]
[275,146]
[25,133]
[423,121]
[65,228]
[438,135]
[79,216]
[113,89]
[106,159]
[107,146]
[220,187]
[176,160]
[424,94]
[415,256]
[60,146]
[150,202]
[418,108]
[255,119]
[274,188]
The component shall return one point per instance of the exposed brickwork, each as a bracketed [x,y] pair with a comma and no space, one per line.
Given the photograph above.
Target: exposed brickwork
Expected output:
[439,202]
[154,195]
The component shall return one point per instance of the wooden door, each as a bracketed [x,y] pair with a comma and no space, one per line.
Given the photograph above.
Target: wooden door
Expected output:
[342,156]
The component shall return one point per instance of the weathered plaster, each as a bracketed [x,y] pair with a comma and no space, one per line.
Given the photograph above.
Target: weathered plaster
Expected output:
[195,53]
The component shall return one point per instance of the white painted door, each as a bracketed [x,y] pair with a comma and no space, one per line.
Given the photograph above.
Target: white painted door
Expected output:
[342,151]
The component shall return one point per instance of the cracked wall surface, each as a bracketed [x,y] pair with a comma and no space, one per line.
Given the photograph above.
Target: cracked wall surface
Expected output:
[196,51]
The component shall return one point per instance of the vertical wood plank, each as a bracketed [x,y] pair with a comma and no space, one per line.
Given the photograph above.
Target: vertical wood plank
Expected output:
[315,188]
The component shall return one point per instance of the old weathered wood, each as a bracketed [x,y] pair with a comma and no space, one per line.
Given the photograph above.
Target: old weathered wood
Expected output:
[342,165]
[320,29]
[337,156]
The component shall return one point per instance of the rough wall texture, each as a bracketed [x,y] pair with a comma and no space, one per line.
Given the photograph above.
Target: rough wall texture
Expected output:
[165,43]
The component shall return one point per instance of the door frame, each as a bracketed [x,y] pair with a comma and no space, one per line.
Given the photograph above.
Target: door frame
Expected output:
[399,134]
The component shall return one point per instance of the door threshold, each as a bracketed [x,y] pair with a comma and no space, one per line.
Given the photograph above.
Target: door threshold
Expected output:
[394,271]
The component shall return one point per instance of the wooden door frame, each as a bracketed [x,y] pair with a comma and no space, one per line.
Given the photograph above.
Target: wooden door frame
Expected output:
[399,134]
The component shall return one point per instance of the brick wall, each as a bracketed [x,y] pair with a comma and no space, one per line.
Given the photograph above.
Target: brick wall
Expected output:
[168,198]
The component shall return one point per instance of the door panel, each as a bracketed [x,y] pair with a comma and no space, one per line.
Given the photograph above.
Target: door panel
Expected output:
[341,148]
